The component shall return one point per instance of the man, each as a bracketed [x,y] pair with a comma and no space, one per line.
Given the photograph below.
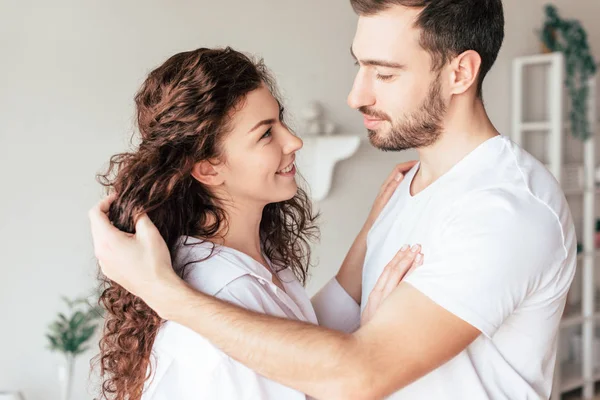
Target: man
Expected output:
[479,319]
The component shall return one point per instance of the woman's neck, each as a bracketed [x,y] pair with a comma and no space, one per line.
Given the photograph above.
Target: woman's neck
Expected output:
[243,230]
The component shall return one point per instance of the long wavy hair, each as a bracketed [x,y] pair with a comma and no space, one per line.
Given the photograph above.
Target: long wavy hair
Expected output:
[184,111]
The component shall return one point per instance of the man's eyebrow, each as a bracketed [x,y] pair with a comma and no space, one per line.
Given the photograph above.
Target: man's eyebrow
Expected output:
[377,63]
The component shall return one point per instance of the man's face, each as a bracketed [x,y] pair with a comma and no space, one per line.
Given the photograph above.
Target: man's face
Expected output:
[395,88]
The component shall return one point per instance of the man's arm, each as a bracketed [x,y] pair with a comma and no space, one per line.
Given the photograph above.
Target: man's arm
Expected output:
[408,337]
[485,246]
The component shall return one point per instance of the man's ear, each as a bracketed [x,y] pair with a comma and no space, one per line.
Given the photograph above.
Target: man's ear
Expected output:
[465,72]
[208,172]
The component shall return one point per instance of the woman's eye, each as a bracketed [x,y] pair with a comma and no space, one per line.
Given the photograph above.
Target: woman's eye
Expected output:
[266,134]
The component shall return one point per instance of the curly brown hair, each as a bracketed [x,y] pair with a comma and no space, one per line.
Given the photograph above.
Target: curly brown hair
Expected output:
[184,110]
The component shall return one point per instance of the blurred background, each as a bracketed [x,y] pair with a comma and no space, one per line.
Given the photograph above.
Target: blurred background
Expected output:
[68,73]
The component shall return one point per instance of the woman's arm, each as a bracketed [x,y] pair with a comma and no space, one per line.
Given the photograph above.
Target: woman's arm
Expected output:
[337,304]
[350,273]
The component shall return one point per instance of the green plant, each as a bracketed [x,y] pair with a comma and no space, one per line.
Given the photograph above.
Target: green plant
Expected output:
[69,334]
[569,37]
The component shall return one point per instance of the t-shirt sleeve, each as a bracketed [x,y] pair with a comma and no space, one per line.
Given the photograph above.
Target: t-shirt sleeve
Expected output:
[491,253]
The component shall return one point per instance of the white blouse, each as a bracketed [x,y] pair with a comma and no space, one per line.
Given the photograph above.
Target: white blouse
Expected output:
[186,366]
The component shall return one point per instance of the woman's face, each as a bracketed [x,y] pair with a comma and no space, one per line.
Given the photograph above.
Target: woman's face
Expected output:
[259,153]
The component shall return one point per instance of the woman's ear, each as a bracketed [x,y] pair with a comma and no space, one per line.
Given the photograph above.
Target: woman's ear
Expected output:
[208,172]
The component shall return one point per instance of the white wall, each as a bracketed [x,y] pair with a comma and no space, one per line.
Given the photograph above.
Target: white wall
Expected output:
[68,72]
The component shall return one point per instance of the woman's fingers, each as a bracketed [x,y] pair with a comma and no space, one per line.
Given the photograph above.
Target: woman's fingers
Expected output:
[375,294]
[403,262]
[395,271]
[397,174]
[399,267]
[393,180]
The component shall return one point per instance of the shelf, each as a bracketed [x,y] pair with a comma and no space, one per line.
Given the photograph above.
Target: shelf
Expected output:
[576,179]
[538,59]
[535,126]
[576,319]
[572,320]
[543,126]
[583,253]
[571,377]
[579,192]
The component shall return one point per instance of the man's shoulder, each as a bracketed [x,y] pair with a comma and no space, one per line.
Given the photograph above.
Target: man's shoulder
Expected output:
[515,185]
[510,211]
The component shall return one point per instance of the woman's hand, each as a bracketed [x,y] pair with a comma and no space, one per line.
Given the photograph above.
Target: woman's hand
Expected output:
[403,262]
[386,192]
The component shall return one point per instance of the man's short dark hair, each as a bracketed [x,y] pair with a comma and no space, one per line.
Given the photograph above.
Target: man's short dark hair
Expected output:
[450,27]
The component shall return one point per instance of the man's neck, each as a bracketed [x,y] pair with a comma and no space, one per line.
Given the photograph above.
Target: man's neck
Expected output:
[465,128]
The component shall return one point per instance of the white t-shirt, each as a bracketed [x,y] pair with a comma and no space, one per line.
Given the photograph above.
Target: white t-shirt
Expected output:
[500,253]
[186,366]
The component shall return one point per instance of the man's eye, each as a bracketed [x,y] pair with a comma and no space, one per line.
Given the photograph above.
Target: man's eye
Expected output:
[384,77]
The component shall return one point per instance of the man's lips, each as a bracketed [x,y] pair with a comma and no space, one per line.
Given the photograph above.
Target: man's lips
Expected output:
[371,122]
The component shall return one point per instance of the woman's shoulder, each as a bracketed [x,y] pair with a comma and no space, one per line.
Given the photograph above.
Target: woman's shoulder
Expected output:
[205,266]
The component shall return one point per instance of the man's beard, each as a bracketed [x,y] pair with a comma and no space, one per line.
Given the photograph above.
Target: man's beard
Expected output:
[421,128]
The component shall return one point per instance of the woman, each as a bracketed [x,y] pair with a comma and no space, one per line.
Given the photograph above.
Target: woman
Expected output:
[215,172]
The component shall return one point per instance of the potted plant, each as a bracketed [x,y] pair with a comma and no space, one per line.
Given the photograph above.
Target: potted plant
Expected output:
[69,335]
[569,37]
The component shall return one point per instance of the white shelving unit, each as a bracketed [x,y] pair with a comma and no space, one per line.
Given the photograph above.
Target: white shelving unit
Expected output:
[578,181]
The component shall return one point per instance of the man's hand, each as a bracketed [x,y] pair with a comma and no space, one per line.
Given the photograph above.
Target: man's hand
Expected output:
[139,262]
[403,262]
